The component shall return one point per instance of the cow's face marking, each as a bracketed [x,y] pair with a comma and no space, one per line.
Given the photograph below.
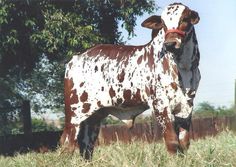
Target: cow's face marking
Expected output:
[171,15]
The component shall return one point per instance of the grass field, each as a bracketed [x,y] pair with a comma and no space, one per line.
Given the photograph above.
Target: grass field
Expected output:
[219,151]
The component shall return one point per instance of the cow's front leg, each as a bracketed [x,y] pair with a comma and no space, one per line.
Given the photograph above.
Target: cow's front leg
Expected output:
[169,132]
[182,126]
[171,138]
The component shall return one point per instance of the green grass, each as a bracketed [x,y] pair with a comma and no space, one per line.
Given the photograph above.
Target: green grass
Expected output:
[219,151]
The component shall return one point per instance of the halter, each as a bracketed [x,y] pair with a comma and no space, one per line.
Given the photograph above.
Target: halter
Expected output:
[182,33]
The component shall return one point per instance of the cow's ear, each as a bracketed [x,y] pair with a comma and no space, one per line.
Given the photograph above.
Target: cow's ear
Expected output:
[194,17]
[154,22]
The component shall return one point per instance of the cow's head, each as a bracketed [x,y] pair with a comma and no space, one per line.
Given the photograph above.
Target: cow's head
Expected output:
[177,21]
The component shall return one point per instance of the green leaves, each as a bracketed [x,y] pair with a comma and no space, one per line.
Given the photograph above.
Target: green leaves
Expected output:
[63,34]
[11,39]
[31,31]
[205,109]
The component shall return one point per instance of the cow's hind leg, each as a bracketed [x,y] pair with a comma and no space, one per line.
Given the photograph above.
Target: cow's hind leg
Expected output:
[86,139]
[89,131]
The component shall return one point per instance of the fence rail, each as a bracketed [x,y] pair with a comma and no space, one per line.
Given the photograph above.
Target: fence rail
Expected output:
[150,132]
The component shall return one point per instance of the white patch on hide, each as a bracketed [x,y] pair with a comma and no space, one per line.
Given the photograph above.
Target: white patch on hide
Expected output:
[182,134]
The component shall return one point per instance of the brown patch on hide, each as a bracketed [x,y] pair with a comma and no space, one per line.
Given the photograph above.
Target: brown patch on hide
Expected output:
[86,107]
[151,58]
[121,76]
[174,73]
[74,97]
[81,84]
[139,61]
[137,97]
[127,95]
[99,104]
[112,93]
[174,86]
[165,64]
[84,97]
[132,99]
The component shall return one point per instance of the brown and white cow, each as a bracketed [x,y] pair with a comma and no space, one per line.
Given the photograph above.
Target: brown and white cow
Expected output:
[124,81]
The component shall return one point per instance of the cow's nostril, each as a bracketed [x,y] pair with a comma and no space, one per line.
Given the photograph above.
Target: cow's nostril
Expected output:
[170,45]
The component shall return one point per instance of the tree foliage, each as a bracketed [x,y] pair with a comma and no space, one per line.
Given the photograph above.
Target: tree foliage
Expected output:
[205,109]
[37,37]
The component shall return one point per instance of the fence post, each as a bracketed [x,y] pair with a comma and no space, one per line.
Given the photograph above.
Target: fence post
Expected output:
[25,110]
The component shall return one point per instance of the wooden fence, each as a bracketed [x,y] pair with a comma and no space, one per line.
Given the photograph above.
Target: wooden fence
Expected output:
[151,132]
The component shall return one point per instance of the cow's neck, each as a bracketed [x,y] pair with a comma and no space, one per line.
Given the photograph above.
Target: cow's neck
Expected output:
[157,44]
[187,63]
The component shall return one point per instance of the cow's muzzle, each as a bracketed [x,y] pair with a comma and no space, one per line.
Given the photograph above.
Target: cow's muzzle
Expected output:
[173,40]
[173,47]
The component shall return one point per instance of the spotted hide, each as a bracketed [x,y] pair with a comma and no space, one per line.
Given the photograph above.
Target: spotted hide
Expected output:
[124,81]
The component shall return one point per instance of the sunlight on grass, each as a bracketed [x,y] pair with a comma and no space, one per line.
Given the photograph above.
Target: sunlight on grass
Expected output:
[216,151]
